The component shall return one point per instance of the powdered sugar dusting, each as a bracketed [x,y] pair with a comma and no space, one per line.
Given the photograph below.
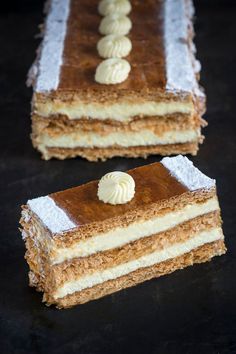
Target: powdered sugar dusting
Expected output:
[24,235]
[48,70]
[50,214]
[185,172]
[180,66]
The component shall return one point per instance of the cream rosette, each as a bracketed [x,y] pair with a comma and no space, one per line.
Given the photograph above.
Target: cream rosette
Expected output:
[107,7]
[116,188]
[114,46]
[115,24]
[112,71]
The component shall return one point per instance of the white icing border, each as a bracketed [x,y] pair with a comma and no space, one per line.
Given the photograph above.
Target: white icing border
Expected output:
[180,68]
[53,217]
[48,68]
[185,172]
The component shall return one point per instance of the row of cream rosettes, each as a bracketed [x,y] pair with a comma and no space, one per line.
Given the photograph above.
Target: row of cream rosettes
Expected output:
[115,45]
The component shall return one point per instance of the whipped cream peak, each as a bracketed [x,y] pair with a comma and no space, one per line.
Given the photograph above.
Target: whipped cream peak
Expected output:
[114,46]
[112,71]
[116,188]
[115,24]
[107,7]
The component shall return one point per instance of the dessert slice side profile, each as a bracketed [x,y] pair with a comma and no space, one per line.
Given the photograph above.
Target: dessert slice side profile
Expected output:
[102,94]
[95,239]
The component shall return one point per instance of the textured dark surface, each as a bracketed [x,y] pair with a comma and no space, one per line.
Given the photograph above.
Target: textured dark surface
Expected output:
[190,311]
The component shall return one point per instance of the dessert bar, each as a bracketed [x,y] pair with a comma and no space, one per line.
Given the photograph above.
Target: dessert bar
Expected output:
[104,236]
[117,78]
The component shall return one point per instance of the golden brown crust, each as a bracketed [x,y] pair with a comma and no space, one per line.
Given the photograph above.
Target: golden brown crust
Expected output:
[85,96]
[61,124]
[56,275]
[58,125]
[110,258]
[199,255]
[96,154]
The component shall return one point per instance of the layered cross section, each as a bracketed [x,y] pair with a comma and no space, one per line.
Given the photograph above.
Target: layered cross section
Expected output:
[80,248]
[156,109]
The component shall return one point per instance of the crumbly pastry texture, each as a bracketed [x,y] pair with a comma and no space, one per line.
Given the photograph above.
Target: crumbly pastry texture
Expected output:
[162,83]
[202,254]
[80,248]
[95,154]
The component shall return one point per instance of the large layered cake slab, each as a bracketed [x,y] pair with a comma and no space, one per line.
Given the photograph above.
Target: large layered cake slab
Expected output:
[156,109]
[98,238]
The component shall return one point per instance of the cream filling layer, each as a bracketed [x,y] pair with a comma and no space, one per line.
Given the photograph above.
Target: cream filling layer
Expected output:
[171,252]
[120,236]
[122,112]
[124,139]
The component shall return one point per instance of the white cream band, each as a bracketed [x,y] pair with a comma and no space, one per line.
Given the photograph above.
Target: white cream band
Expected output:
[180,64]
[122,111]
[124,139]
[120,236]
[156,257]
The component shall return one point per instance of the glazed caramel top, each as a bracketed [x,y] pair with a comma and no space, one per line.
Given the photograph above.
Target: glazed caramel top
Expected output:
[153,183]
[147,58]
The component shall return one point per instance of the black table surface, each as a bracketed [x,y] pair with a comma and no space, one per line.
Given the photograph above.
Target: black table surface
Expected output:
[189,311]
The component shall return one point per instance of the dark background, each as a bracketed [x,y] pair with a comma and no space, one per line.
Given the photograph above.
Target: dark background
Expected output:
[190,311]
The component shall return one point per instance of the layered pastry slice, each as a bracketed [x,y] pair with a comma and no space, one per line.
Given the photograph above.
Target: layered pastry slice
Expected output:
[101,237]
[117,78]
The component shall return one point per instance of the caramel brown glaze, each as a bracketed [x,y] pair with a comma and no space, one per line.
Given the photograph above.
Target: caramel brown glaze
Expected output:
[153,184]
[147,57]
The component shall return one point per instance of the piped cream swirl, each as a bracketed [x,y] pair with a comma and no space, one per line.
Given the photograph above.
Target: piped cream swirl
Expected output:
[114,46]
[115,24]
[107,7]
[116,188]
[112,71]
